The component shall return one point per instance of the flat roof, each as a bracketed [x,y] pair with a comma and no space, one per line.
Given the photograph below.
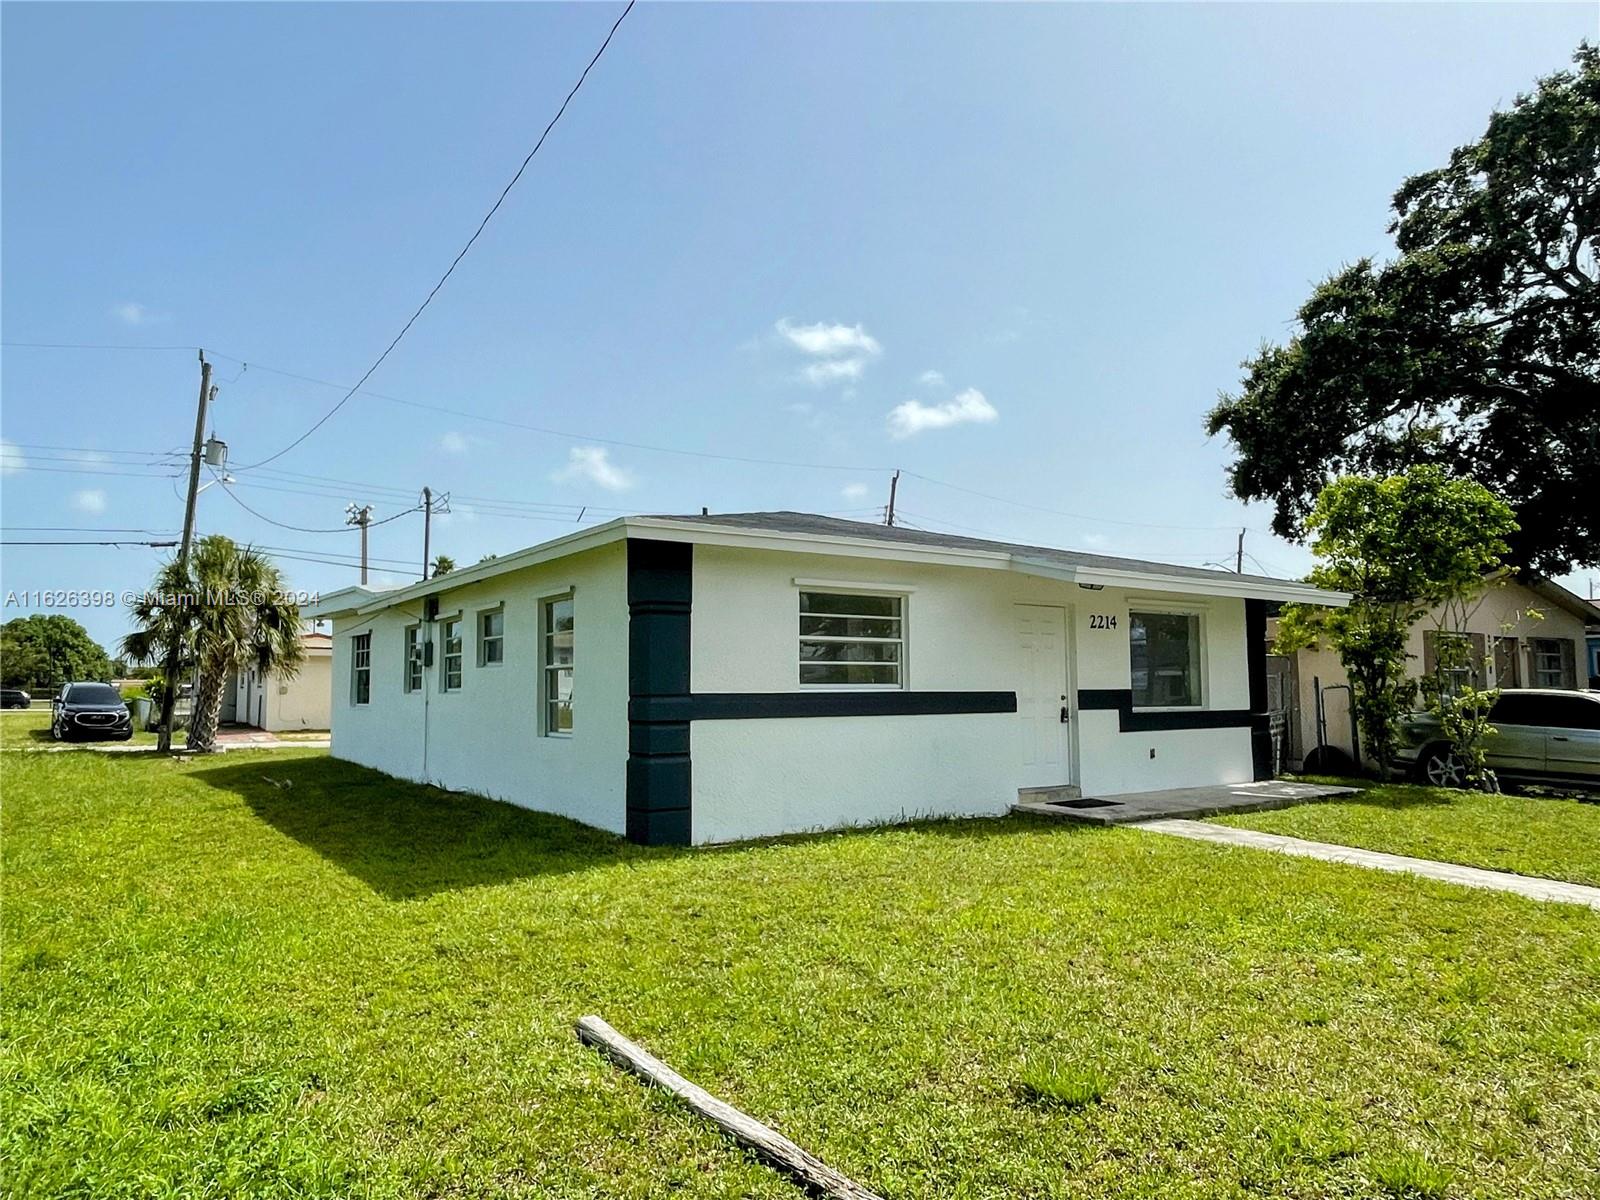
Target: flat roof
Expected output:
[798,532]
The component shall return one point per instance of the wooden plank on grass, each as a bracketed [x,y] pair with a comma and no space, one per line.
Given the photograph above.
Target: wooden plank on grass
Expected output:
[767,1143]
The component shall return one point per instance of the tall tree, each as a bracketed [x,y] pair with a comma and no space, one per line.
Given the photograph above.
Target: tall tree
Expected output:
[44,651]
[1477,349]
[1399,546]
[228,611]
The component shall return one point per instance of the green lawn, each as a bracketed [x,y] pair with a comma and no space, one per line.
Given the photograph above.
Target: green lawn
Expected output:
[24,729]
[272,974]
[1552,838]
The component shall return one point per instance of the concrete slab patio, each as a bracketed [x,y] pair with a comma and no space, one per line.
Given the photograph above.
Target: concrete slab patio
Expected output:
[1176,803]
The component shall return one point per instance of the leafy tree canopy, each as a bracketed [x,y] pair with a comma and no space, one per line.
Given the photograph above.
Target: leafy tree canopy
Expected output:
[1476,350]
[1399,546]
[42,652]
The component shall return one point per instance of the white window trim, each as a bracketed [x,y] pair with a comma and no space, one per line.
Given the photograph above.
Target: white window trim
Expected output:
[354,703]
[405,667]
[478,638]
[1169,608]
[545,599]
[900,591]
[440,622]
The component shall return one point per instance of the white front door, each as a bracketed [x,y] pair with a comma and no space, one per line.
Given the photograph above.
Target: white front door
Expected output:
[1042,695]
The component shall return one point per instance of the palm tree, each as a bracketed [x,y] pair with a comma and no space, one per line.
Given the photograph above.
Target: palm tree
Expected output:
[443,564]
[226,612]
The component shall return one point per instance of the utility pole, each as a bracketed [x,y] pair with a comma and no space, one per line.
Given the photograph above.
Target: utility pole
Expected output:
[429,507]
[361,516]
[894,486]
[427,526]
[1238,558]
[168,693]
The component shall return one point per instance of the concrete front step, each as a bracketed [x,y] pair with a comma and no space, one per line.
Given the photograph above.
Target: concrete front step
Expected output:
[1184,803]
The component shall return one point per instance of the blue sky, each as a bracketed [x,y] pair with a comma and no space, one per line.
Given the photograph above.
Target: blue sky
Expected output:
[1018,249]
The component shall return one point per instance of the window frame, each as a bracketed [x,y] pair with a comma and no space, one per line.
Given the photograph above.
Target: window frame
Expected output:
[1201,655]
[483,640]
[444,622]
[877,591]
[414,656]
[361,671]
[549,692]
[1541,648]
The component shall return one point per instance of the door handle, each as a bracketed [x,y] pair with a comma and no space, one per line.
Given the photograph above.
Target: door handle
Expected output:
[1064,717]
[1553,738]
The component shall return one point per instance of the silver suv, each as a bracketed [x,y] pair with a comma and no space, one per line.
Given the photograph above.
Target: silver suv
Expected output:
[1545,736]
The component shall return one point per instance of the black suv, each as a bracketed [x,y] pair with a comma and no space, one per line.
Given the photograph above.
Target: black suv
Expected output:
[14,698]
[89,710]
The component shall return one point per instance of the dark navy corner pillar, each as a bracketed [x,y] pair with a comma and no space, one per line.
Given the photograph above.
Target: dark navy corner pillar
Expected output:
[660,592]
[1255,638]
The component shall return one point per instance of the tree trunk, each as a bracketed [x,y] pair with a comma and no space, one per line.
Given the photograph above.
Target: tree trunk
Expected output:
[207,708]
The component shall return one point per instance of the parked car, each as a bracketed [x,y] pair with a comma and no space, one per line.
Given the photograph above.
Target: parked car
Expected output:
[1544,736]
[89,710]
[14,698]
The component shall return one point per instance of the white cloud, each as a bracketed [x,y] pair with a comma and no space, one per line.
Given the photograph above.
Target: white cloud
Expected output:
[931,378]
[966,408]
[833,370]
[1094,540]
[90,500]
[454,443]
[11,459]
[592,464]
[853,491]
[828,341]
[130,312]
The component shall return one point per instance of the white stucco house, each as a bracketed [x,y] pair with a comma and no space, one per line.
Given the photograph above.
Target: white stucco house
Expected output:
[278,703]
[708,678]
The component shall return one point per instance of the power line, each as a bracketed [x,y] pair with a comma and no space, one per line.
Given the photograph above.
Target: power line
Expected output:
[482,225]
[701,454]
[79,529]
[15,466]
[955,487]
[8,542]
[88,346]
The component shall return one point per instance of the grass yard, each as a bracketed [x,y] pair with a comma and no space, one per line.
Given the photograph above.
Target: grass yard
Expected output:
[1529,835]
[273,974]
[22,729]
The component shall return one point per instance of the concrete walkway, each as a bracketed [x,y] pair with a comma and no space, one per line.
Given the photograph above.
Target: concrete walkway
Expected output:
[1498,881]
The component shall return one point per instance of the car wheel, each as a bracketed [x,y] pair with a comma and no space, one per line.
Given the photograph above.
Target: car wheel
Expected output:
[55,730]
[1440,766]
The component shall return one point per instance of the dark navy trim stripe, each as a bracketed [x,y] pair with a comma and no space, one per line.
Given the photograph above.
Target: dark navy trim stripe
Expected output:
[1120,700]
[736,706]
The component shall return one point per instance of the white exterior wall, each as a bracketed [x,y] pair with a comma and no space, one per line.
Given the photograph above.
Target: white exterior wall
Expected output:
[276,703]
[485,738]
[753,777]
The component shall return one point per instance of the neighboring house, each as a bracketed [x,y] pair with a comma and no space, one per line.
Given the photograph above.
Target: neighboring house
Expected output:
[1527,631]
[703,679]
[275,703]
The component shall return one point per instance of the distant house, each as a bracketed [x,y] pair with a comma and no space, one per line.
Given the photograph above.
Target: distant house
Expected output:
[708,678]
[275,703]
[1528,631]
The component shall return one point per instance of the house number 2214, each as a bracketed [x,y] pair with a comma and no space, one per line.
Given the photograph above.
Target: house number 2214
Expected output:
[1102,621]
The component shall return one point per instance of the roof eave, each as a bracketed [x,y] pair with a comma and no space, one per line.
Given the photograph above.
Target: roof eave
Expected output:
[1246,588]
